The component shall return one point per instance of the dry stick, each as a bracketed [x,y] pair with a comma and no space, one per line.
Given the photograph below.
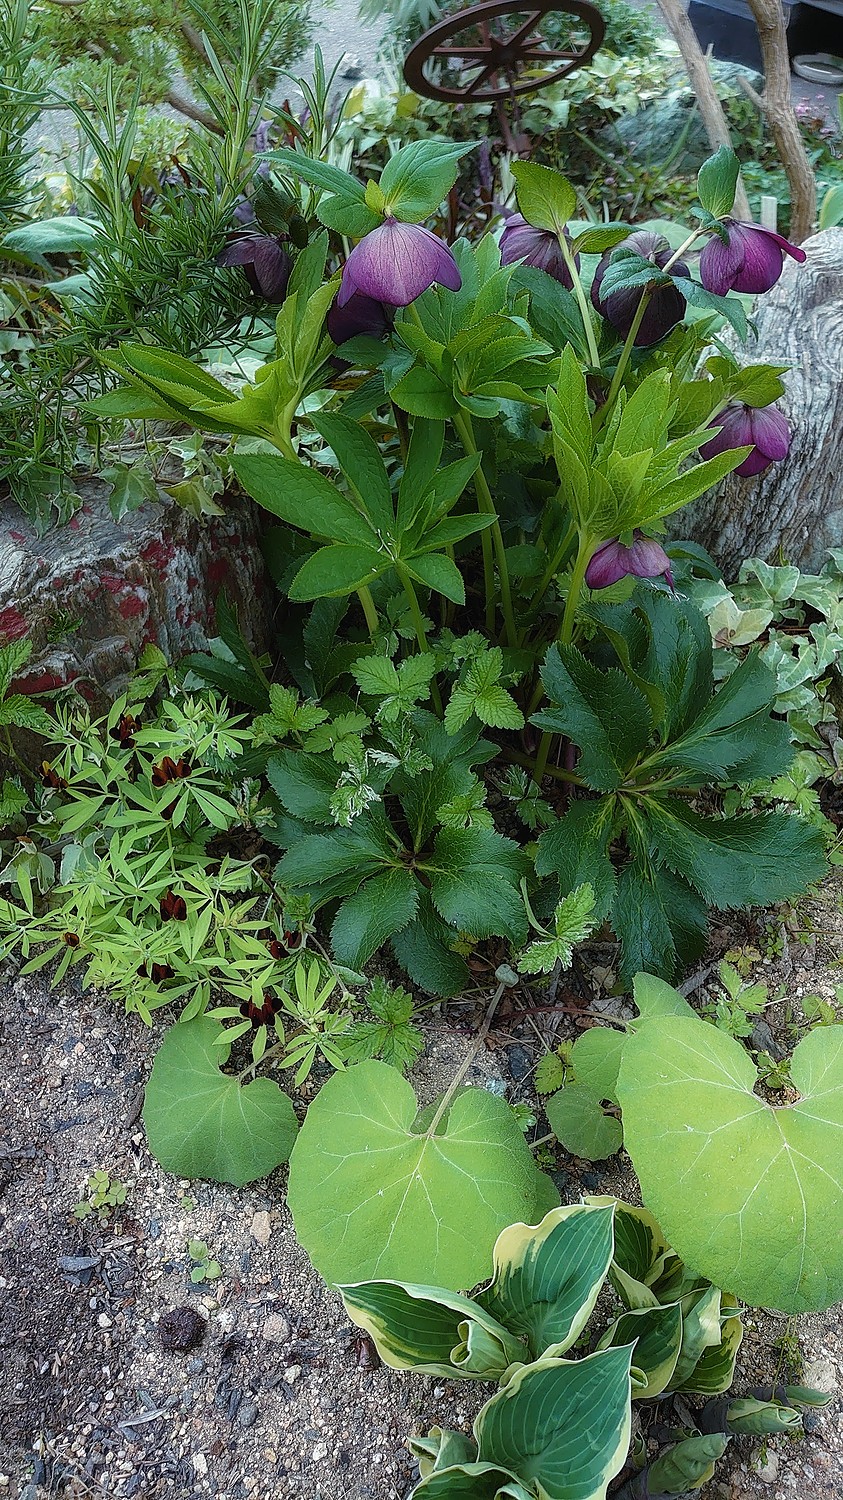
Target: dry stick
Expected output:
[467,1060]
[777,105]
[711,110]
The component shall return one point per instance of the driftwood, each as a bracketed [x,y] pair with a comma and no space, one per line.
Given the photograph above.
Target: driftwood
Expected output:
[794,510]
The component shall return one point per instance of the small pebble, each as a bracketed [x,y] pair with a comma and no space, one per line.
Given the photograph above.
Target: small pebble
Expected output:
[261,1229]
[276,1329]
[247,1414]
[292,1374]
[320,1452]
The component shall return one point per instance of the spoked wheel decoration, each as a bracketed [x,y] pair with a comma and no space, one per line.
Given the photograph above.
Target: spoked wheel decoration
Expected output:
[492,53]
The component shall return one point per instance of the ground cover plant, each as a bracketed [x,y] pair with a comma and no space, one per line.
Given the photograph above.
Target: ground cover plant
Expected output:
[496,723]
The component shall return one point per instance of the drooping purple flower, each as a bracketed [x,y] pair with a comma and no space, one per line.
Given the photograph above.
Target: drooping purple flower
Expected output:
[751,261]
[645,558]
[395,263]
[666,307]
[360,314]
[264,262]
[765,427]
[535,247]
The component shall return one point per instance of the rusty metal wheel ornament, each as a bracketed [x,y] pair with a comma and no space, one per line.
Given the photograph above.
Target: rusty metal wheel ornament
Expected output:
[495,51]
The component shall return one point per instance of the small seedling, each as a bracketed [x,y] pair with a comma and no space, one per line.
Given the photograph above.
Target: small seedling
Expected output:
[187,1204]
[101,1196]
[203,1268]
[735,1011]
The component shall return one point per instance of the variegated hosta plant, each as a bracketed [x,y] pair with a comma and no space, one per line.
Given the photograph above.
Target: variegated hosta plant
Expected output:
[559,1428]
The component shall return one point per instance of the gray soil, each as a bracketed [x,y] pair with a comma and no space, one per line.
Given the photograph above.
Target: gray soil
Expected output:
[279,1400]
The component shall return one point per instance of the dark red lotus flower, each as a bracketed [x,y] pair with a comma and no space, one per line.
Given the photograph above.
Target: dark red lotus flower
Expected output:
[666,307]
[124,730]
[262,1014]
[51,778]
[263,261]
[765,427]
[395,263]
[159,972]
[535,247]
[645,558]
[172,908]
[360,314]
[751,259]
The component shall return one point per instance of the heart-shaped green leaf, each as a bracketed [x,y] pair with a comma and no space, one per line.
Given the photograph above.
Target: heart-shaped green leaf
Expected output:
[577,1119]
[747,1193]
[373,1196]
[548,1276]
[535,1426]
[427,1329]
[202,1123]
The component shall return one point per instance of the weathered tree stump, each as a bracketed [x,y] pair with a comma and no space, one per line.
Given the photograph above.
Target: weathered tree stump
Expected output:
[92,594]
[794,510]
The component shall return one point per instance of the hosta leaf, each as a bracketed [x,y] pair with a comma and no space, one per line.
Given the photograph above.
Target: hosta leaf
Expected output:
[477,1481]
[748,1194]
[639,1255]
[687,1466]
[435,1332]
[548,1276]
[656,1333]
[202,1123]
[534,1426]
[576,1117]
[372,1198]
[714,1371]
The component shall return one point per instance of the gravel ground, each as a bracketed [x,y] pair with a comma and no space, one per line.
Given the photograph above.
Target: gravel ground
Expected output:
[279,1399]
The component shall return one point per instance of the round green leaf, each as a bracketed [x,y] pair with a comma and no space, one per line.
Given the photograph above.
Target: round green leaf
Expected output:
[373,1198]
[576,1118]
[748,1194]
[201,1123]
[536,1426]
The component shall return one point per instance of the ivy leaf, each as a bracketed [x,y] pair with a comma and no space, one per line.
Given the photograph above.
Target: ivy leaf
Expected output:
[479,692]
[202,1123]
[372,1198]
[131,487]
[749,1194]
[573,921]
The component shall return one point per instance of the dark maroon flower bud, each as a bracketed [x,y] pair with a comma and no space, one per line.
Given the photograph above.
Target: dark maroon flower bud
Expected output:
[359,315]
[751,260]
[535,247]
[666,307]
[264,262]
[612,561]
[764,427]
[395,263]
[172,908]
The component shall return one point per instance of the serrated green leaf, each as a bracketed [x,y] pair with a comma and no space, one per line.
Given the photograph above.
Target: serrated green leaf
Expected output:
[381,907]
[752,860]
[545,198]
[602,712]
[202,1123]
[21,713]
[419,176]
[336,571]
[474,876]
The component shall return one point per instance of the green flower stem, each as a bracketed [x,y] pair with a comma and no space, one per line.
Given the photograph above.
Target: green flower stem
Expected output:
[626,353]
[557,772]
[421,634]
[582,300]
[368,603]
[463,424]
[555,563]
[584,555]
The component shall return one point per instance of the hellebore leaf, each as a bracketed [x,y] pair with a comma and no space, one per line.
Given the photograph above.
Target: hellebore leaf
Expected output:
[717,180]
[534,1426]
[545,198]
[748,1194]
[435,1332]
[547,1277]
[371,1196]
[202,1123]
[602,712]
[417,178]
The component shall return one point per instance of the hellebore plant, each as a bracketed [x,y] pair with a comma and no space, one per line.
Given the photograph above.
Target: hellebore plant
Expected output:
[468,506]
[744,258]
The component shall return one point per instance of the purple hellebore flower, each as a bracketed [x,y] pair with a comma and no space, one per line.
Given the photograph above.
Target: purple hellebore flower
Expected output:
[751,261]
[765,427]
[360,314]
[666,307]
[535,247]
[264,262]
[395,263]
[613,561]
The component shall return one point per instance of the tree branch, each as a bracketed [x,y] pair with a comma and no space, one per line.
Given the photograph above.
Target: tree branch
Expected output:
[777,105]
[711,110]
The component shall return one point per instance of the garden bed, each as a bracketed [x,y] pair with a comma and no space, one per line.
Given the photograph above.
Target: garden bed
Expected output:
[280,1399]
